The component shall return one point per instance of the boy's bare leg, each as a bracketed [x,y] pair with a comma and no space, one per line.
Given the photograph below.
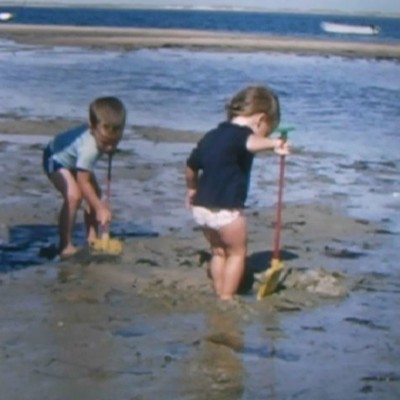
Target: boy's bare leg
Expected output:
[64,181]
[234,239]
[90,218]
[90,224]
[216,265]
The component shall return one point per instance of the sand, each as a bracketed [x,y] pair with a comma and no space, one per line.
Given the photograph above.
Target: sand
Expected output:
[134,38]
[146,325]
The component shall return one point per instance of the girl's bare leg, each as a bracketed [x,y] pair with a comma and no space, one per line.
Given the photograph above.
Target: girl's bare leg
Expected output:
[234,239]
[216,265]
[229,248]
[64,181]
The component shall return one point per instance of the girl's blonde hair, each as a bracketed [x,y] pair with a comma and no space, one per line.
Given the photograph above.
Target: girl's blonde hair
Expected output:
[108,111]
[253,100]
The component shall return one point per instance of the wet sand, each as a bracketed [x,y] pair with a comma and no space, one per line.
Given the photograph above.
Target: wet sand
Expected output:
[134,38]
[146,325]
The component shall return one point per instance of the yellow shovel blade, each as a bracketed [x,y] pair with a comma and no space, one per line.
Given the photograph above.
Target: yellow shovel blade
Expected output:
[270,280]
[107,245]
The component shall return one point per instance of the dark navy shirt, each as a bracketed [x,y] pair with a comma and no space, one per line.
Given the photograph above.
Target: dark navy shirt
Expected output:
[224,166]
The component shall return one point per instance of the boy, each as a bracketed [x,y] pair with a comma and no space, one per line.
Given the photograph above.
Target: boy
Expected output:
[69,160]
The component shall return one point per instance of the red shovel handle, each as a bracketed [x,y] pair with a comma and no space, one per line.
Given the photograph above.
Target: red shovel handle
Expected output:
[108,181]
[278,224]
[105,228]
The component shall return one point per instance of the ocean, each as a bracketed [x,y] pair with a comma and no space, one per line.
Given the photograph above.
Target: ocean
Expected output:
[270,23]
[346,111]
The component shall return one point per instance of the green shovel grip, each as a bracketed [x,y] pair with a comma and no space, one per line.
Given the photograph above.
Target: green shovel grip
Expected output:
[284,131]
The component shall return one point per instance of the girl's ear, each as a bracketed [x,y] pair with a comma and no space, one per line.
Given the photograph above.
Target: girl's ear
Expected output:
[260,119]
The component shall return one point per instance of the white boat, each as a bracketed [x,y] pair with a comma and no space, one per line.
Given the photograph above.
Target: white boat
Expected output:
[6,16]
[335,27]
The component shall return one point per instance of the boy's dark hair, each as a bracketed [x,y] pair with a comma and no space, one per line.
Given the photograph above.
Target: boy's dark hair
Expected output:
[108,111]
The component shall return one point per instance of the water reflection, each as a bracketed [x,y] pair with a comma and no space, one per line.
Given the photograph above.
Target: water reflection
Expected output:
[35,244]
[220,359]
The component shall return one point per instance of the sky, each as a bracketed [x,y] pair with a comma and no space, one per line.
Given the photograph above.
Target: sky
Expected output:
[384,6]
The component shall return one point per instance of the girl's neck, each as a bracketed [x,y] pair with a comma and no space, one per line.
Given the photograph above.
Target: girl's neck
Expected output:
[243,121]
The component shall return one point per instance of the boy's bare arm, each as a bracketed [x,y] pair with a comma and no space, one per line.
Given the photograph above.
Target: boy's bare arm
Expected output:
[88,191]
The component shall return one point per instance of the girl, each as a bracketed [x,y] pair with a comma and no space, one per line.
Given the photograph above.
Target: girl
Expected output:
[218,175]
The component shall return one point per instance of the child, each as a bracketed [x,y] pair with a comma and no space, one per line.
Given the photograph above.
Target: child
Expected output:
[218,175]
[68,161]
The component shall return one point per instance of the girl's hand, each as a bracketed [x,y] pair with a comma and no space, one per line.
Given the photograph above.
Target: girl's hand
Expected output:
[282,147]
[190,193]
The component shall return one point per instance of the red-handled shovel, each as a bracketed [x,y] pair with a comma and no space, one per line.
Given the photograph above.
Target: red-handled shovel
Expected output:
[271,277]
[105,244]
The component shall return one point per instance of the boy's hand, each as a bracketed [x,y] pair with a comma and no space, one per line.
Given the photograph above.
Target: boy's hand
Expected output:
[190,193]
[282,147]
[103,215]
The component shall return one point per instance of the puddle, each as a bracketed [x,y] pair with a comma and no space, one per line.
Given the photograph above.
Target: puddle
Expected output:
[176,349]
[167,343]
[253,352]
[129,333]
[29,245]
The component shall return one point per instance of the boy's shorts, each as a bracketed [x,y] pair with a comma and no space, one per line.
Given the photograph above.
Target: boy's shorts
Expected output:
[214,219]
[49,164]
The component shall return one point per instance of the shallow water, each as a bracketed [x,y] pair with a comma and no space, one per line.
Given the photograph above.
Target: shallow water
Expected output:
[346,116]
[29,245]
[344,106]
[342,350]
[325,343]
[345,110]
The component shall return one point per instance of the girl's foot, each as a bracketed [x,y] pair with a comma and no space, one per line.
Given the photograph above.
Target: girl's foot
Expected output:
[226,297]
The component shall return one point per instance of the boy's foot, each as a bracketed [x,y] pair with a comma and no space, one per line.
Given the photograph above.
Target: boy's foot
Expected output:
[91,239]
[68,251]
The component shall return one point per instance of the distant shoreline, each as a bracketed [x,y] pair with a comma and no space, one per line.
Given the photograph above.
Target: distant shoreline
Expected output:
[136,38]
[172,7]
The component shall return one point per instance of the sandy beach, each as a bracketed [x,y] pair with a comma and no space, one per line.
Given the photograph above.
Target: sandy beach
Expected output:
[146,325]
[133,38]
